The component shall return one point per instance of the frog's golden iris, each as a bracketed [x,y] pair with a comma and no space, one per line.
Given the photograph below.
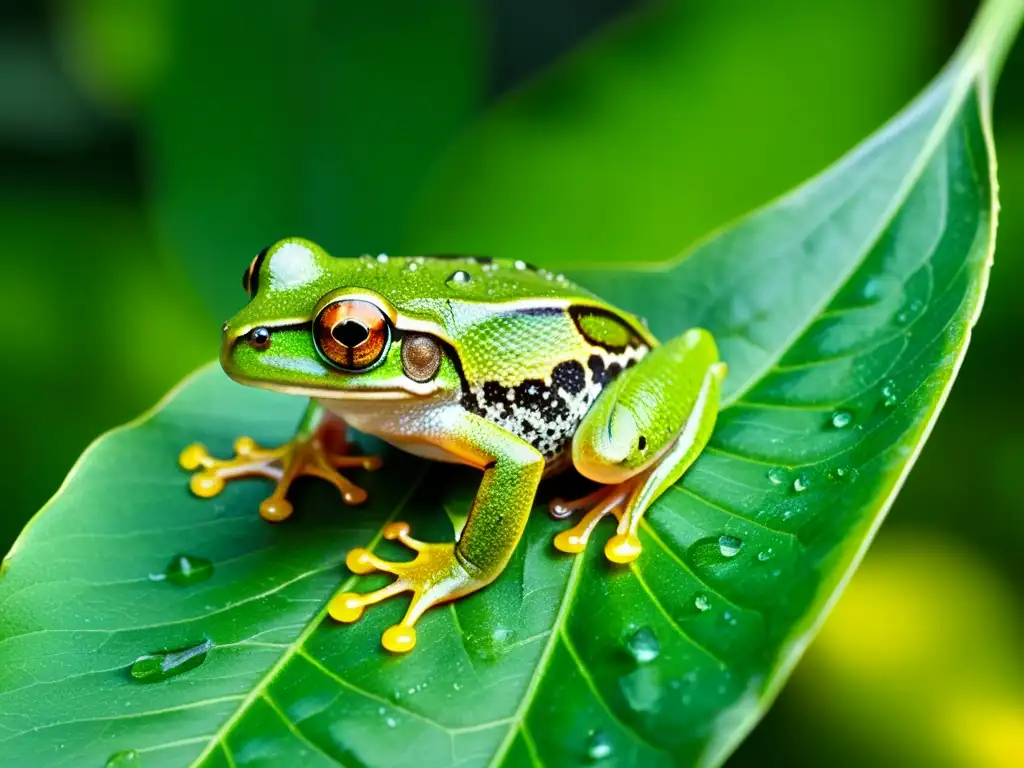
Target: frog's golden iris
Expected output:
[351,334]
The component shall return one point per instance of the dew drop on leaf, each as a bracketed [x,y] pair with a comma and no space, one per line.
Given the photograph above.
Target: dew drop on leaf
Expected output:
[729,546]
[765,555]
[842,419]
[642,689]
[889,396]
[599,746]
[701,602]
[154,667]
[185,570]
[801,482]
[124,759]
[838,473]
[777,475]
[643,645]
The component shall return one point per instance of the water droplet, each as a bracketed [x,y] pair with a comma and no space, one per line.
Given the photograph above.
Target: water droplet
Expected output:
[599,746]
[889,396]
[124,759]
[801,482]
[881,287]
[154,667]
[643,645]
[701,602]
[838,473]
[903,318]
[777,475]
[390,722]
[842,419]
[765,555]
[459,277]
[412,266]
[729,546]
[520,265]
[502,634]
[642,688]
[184,570]
[382,258]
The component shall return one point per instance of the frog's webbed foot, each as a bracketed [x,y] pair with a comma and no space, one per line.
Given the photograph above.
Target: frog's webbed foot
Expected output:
[302,456]
[624,546]
[434,576]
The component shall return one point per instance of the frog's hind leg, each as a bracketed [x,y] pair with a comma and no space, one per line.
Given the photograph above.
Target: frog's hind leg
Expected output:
[314,451]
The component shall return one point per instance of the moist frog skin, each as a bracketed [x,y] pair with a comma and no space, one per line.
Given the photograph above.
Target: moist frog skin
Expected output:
[486,362]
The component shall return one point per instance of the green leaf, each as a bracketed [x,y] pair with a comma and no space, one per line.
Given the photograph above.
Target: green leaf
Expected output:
[853,295]
[301,121]
[670,123]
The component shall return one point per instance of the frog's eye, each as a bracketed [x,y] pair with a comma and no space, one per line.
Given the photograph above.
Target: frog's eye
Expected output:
[351,334]
[251,276]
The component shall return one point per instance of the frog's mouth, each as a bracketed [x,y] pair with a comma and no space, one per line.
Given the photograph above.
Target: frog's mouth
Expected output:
[406,390]
[326,393]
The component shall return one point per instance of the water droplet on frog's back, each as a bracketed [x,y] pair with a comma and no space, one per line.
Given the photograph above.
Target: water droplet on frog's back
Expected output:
[458,278]
[643,645]
[729,546]
[599,746]
[124,759]
[155,667]
[185,570]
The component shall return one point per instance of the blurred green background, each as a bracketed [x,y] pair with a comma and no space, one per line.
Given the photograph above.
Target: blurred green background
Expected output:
[148,148]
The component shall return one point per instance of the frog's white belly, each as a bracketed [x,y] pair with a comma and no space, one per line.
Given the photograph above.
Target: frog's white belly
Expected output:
[414,427]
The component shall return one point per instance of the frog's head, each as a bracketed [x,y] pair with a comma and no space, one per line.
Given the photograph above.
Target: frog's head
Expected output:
[316,326]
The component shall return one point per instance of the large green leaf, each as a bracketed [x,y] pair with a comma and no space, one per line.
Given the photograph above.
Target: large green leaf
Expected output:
[844,310]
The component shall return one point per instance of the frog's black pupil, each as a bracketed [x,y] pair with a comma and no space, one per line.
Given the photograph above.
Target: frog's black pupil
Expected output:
[351,333]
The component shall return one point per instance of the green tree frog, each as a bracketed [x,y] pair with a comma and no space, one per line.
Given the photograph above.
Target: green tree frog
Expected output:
[485,362]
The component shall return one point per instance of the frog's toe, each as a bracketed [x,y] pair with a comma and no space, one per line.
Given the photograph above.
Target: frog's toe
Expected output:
[623,548]
[297,458]
[434,576]
[607,500]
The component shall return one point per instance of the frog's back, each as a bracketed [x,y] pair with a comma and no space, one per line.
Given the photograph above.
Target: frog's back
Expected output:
[535,350]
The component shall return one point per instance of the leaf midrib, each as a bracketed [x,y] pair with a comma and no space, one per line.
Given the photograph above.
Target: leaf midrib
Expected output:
[518,718]
[297,645]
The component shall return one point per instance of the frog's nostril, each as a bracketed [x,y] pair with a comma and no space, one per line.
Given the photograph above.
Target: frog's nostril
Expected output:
[350,333]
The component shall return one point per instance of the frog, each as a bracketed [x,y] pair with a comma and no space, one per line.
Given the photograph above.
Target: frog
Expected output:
[493,363]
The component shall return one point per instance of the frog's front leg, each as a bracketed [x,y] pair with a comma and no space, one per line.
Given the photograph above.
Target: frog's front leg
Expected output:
[441,572]
[640,436]
[311,452]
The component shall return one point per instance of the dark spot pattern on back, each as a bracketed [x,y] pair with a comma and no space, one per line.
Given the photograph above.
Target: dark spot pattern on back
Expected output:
[547,415]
